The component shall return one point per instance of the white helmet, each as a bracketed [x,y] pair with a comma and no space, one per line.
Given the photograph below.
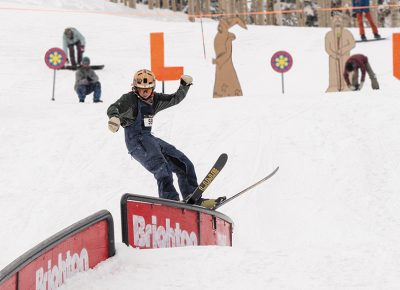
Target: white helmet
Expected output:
[144,79]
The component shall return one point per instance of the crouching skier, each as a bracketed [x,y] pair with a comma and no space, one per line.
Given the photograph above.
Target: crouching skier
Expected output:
[134,111]
[354,64]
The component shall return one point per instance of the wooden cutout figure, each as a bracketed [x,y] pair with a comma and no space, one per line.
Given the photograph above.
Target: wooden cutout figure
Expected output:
[226,80]
[338,44]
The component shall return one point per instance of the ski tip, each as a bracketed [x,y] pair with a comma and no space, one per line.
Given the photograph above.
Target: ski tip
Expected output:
[223,158]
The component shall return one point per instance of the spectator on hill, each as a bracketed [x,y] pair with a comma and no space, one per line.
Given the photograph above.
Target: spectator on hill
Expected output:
[73,38]
[355,63]
[87,82]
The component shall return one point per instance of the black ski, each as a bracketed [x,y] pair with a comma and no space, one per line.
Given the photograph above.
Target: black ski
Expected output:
[222,202]
[211,175]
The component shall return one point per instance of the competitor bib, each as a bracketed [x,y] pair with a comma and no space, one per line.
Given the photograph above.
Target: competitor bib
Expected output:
[148,120]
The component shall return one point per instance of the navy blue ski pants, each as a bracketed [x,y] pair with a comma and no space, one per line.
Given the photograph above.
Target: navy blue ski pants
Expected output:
[162,159]
[84,90]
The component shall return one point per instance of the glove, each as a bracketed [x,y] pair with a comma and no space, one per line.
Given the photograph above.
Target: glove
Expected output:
[113,124]
[82,48]
[67,60]
[361,85]
[89,79]
[186,80]
[84,82]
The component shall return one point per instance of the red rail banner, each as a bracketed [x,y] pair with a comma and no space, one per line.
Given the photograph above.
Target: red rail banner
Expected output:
[75,249]
[150,223]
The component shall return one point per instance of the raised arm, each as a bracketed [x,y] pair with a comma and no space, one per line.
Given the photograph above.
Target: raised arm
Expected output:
[163,101]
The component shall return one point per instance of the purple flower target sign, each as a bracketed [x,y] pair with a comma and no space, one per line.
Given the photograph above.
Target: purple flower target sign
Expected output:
[55,58]
[281,62]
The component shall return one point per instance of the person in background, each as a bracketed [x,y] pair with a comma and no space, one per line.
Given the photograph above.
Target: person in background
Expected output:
[355,63]
[73,38]
[134,111]
[359,12]
[87,82]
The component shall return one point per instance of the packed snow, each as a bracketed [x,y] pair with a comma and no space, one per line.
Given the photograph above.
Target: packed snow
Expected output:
[330,217]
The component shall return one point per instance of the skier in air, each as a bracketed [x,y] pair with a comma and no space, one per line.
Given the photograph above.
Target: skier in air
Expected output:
[353,64]
[134,111]
[364,9]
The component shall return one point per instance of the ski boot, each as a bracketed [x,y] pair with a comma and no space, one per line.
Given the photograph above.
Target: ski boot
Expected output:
[377,36]
[210,203]
[363,37]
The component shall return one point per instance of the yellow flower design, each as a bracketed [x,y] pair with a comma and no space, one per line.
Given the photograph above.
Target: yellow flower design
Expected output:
[55,58]
[281,62]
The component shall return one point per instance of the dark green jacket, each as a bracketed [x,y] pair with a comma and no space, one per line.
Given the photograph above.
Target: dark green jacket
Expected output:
[125,108]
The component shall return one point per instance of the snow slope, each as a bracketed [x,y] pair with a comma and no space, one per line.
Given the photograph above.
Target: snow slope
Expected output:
[328,220]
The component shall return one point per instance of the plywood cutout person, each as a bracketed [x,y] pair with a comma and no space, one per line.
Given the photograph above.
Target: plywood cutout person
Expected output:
[338,44]
[226,80]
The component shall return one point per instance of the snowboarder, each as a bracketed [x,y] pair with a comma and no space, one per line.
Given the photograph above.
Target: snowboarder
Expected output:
[364,9]
[71,38]
[87,82]
[353,64]
[134,111]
